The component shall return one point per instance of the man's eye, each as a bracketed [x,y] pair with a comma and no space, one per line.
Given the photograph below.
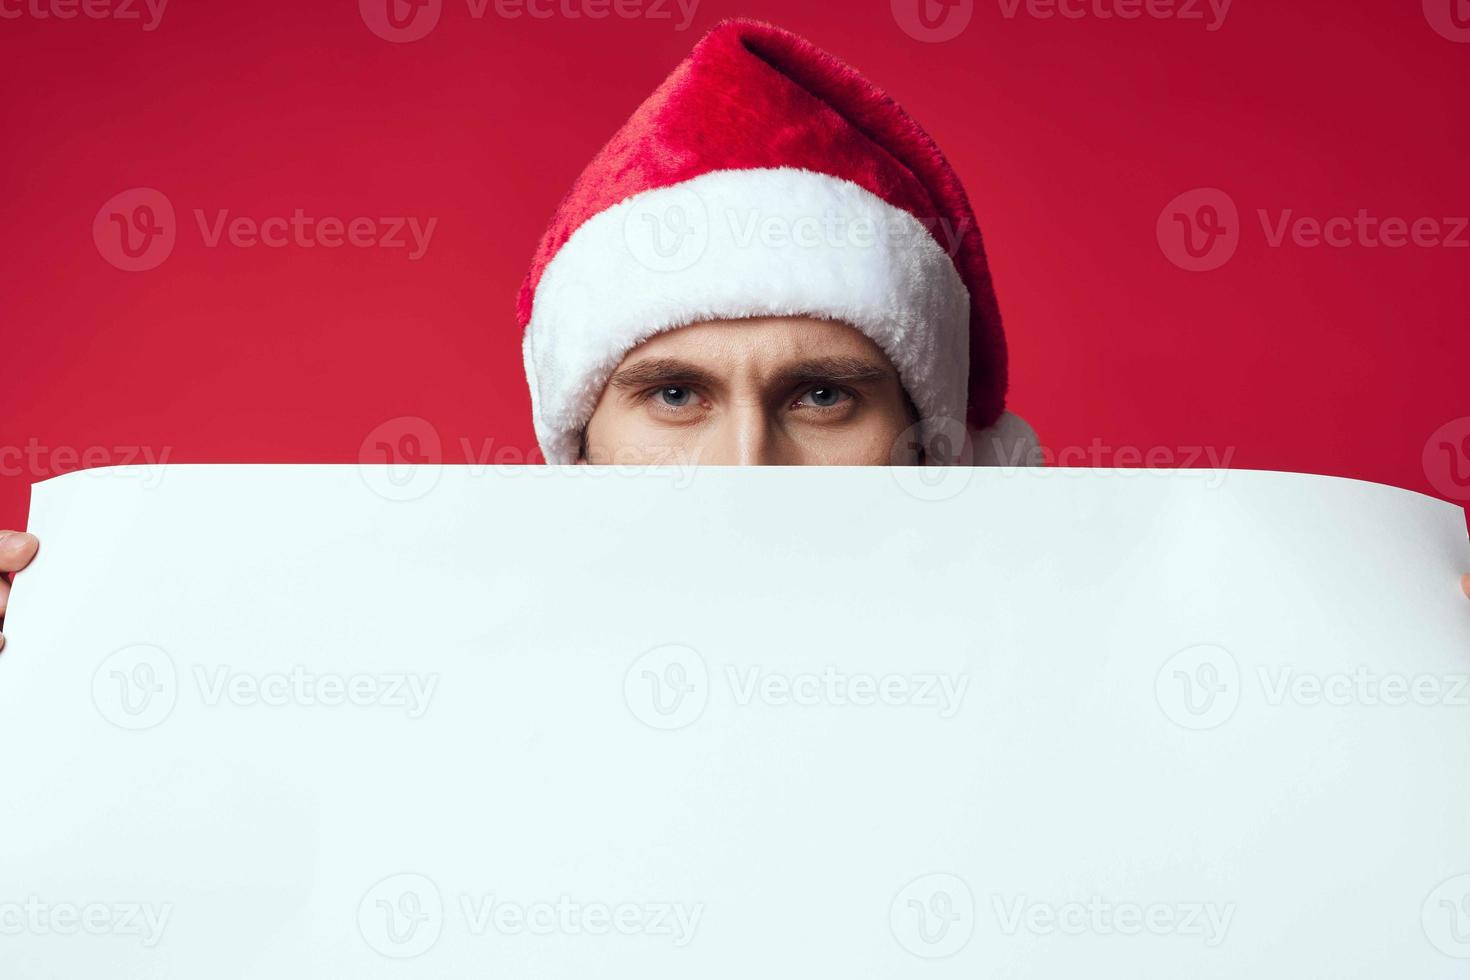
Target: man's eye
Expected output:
[824,397]
[675,396]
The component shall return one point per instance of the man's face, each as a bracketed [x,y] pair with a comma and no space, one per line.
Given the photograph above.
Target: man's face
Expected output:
[772,391]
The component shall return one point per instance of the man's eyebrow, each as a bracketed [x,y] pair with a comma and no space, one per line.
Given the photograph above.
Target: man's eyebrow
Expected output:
[660,371]
[835,370]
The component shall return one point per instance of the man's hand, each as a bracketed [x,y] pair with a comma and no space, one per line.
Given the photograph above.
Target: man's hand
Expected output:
[1465,584]
[16,551]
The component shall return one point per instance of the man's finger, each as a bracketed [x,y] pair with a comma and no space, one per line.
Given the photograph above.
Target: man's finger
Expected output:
[16,550]
[4,596]
[1465,584]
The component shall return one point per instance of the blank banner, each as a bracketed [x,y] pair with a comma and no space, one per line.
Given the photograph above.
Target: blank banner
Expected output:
[274,722]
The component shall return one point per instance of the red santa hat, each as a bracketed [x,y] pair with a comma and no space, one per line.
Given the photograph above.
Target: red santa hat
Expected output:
[765,178]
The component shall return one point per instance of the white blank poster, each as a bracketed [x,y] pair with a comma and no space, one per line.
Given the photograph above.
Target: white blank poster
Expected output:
[308,722]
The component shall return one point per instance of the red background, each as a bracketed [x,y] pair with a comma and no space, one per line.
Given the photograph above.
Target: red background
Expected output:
[1072,136]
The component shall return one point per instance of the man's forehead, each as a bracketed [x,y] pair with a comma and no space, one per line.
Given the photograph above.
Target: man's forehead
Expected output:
[763,346]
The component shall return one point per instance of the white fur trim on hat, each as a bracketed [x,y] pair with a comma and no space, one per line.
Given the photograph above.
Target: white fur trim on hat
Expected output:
[734,244]
[1009,442]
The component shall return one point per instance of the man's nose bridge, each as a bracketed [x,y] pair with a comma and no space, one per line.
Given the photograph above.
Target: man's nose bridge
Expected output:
[752,435]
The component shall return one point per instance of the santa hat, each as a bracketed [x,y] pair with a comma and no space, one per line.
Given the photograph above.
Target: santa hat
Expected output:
[766,178]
